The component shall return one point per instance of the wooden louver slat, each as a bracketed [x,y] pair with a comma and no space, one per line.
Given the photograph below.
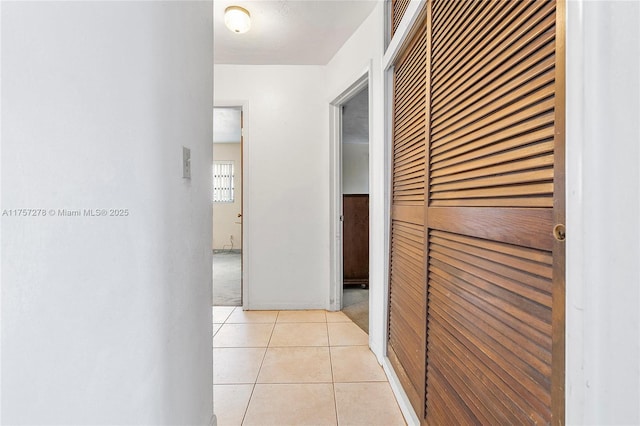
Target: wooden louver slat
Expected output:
[491,151]
[406,338]
[476,277]
[398,8]
[511,177]
[492,54]
[500,328]
[406,305]
[409,125]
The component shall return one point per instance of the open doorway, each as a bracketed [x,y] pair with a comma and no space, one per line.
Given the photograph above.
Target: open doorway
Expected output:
[350,124]
[355,208]
[227,206]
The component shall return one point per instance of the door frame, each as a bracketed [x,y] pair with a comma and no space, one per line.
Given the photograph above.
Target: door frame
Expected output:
[244,205]
[335,129]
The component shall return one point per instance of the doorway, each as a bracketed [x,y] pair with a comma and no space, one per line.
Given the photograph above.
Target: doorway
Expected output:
[350,124]
[227,206]
[355,208]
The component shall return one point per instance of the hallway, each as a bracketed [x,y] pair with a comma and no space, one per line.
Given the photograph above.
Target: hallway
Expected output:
[296,368]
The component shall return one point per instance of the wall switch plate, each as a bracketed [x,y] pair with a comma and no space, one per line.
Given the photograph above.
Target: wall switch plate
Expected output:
[186,163]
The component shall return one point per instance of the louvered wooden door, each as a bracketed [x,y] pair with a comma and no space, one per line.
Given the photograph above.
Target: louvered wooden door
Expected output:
[407,290]
[494,285]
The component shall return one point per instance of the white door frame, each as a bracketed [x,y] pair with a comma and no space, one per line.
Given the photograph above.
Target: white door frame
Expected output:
[245,184]
[335,120]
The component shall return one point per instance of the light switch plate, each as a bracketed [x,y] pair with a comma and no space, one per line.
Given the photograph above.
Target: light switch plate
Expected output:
[186,163]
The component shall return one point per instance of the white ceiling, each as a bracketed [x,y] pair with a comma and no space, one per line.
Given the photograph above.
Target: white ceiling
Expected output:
[286,32]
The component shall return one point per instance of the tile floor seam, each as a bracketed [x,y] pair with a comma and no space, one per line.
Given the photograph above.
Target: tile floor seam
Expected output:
[335,403]
[273,329]
[264,356]
[246,409]
[255,383]
[294,382]
[333,380]
[302,346]
[348,346]
[267,348]
[239,347]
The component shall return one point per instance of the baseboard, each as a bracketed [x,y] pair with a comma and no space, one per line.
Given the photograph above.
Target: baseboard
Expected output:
[285,307]
[403,400]
[236,251]
[376,347]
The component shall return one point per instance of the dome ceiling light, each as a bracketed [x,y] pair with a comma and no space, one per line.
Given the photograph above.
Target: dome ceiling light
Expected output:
[237,19]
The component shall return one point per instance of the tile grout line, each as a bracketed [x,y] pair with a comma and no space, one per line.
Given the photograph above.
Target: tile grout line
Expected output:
[246,409]
[329,346]
[333,379]
[266,349]
[255,383]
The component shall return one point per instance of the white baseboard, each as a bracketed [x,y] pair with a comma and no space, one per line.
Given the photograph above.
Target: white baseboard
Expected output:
[285,307]
[403,401]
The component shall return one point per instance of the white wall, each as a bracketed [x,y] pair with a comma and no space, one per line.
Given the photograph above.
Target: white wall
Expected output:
[226,226]
[286,204]
[603,213]
[355,168]
[106,320]
[362,51]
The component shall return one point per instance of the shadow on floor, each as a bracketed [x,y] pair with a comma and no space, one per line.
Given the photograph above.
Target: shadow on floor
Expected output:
[355,305]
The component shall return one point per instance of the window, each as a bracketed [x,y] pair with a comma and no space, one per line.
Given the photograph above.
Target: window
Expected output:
[223,182]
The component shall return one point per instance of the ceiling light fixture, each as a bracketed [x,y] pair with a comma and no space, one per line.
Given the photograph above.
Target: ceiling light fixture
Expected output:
[237,19]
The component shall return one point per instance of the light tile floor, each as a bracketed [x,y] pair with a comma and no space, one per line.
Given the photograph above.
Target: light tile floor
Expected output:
[290,368]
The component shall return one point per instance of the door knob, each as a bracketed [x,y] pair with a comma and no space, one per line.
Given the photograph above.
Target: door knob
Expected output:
[559,232]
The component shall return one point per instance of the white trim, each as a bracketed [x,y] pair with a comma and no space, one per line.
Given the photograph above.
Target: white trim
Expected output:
[402,32]
[575,302]
[246,181]
[403,400]
[387,23]
[387,76]
[355,84]
[602,370]
[400,37]
[295,306]
[335,205]
[335,191]
[413,12]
